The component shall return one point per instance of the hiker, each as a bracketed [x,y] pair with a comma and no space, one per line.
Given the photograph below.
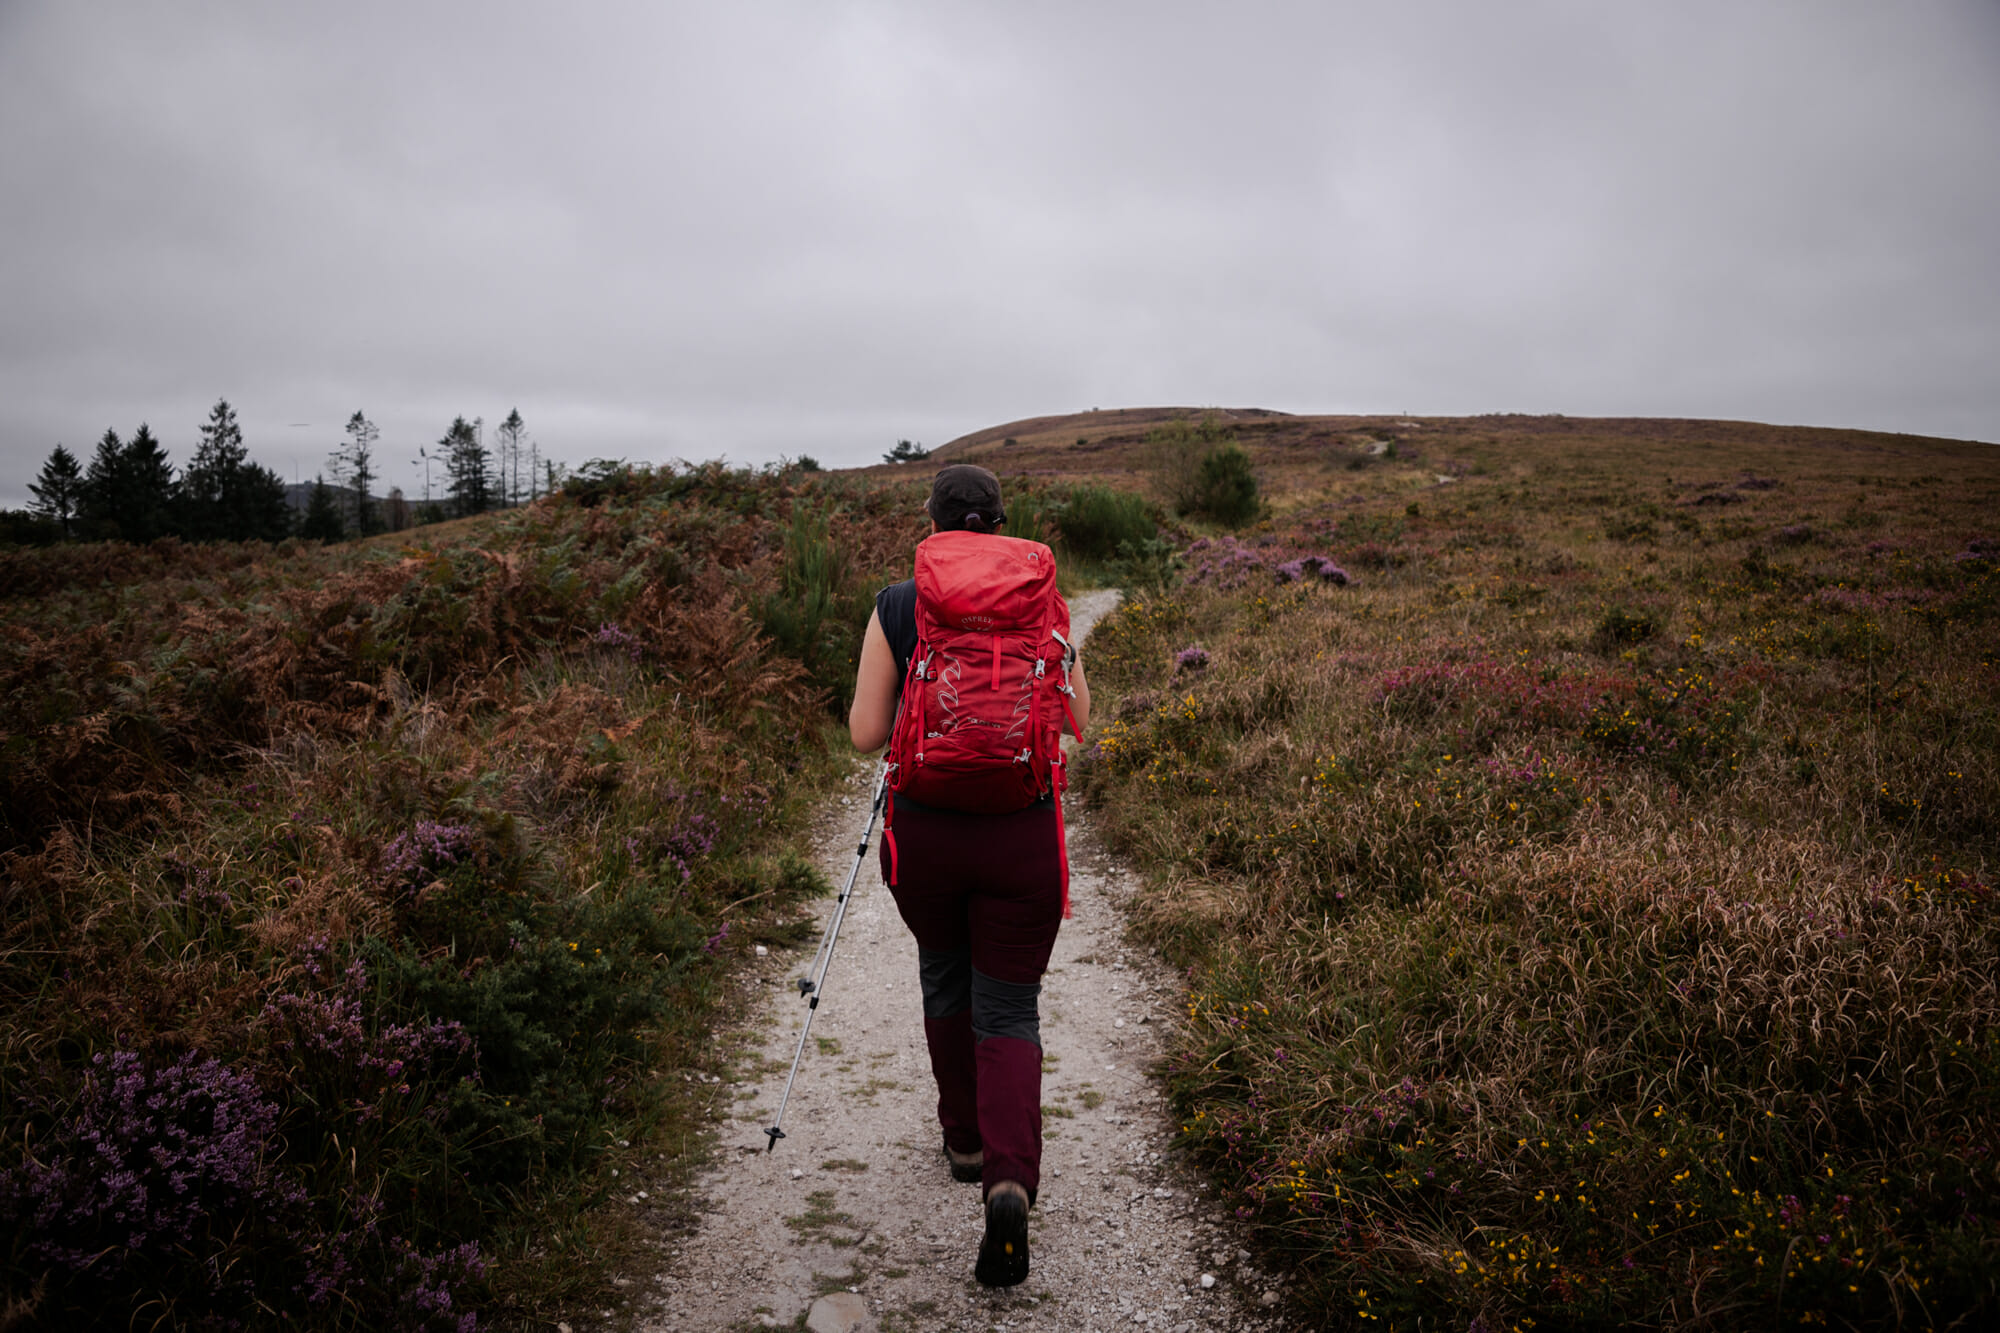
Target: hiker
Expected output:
[983,892]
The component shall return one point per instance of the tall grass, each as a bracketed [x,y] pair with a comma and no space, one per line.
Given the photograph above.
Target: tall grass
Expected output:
[359,907]
[1592,933]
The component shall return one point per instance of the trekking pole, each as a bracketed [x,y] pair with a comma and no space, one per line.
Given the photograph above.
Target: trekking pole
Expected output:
[814,981]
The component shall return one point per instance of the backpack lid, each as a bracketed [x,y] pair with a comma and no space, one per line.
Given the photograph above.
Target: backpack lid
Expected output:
[981,581]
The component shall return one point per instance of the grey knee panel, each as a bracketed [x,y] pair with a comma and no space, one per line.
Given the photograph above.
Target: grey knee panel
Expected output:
[1005,1008]
[946,976]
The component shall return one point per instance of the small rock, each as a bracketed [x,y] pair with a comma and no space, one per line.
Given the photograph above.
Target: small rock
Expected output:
[563,1328]
[842,1312]
[1118,1022]
[797,1174]
[1145,1018]
[762,952]
[767,1321]
[1269,1298]
[1207,1281]
[1243,1256]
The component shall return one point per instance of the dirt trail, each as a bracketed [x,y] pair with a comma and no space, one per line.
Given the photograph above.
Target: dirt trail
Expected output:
[857,1196]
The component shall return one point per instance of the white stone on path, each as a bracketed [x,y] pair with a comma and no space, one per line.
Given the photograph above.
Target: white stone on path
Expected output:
[841,1312]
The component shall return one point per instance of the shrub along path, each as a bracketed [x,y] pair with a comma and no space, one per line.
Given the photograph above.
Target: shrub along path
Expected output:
[857,1196]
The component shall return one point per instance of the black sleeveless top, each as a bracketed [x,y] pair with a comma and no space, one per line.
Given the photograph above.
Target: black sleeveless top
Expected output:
[896,608]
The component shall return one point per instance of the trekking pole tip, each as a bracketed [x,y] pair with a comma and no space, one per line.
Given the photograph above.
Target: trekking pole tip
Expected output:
[775,1134]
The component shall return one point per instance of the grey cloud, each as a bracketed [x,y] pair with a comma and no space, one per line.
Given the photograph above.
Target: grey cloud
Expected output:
[683,230]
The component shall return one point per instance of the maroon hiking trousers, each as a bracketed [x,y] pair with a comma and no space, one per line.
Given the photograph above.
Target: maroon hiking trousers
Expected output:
[983,896]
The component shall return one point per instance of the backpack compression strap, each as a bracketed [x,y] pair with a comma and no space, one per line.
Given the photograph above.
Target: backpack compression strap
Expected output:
[1058,783]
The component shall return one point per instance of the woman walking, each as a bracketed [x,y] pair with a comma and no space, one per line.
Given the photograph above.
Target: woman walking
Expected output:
[983,892]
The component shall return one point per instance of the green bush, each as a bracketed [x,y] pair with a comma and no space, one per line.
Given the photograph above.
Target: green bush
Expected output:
[1174,455]
[1097,522]
[1031,515]
[1226,488]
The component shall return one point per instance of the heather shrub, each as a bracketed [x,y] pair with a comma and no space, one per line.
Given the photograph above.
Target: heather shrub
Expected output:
[1588,967]
[159,1189]
[352,898]
[1621,626]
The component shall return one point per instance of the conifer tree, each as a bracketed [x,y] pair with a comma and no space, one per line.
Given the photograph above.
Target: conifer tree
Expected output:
[223,496]
[259,509]
[102,484]
[128,492]
[512,431]
[322,521]
[209,483]
[354,465]
[468,466]
[58,491]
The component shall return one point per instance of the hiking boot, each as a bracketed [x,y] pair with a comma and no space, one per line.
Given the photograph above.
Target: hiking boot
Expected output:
[967,1167]
[1003,1254]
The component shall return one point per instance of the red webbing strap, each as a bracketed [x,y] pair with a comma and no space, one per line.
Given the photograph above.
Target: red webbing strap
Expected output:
[1062,838]
[889,832]
[1061,776]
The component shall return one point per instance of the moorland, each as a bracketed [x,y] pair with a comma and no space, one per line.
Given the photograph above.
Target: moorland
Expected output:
[1578,836]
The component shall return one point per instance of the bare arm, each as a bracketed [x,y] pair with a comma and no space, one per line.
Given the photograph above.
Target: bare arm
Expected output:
[1080,705]
[875,686]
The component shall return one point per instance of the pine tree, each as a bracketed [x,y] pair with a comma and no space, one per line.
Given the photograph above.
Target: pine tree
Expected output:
[223,496]
[150,478]
[511,432]
[59,490]
[128,492]
[212,480]
[102,485]
[322,521]
[468,465]
[354,464]
[261,511]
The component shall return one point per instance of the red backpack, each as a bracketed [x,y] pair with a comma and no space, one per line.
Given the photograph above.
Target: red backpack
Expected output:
[980,725]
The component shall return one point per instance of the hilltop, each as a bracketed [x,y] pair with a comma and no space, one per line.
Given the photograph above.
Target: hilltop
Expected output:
[1104,442]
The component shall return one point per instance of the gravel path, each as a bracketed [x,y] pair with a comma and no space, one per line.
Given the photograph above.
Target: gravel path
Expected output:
[857,1197]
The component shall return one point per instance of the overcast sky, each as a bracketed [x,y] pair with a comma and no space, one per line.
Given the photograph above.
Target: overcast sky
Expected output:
[761,229]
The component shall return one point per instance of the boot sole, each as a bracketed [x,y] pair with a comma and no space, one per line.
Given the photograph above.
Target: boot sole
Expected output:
[1003,1254]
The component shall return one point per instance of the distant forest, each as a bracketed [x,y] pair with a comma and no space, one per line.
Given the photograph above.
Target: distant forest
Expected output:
[128,490]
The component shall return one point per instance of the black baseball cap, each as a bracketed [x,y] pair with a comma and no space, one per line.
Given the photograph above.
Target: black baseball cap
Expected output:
[965,496]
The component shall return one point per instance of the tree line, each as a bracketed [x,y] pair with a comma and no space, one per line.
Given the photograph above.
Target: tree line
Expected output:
[129,492]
